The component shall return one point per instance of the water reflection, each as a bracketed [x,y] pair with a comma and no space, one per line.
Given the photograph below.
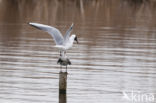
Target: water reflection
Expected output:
[117,50]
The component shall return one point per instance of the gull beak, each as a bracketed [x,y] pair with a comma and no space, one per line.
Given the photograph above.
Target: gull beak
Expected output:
[76,40]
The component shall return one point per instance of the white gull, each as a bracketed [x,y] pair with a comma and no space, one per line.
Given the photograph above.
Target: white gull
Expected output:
[62,43]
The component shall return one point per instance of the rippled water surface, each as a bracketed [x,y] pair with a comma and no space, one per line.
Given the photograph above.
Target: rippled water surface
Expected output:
[116,53]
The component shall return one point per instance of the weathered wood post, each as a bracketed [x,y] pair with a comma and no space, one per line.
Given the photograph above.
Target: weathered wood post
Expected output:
[62,87]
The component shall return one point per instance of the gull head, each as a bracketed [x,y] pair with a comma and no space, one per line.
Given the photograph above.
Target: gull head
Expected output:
[75,38]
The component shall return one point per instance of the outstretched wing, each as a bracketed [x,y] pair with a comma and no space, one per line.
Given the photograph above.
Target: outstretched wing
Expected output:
[55,33]
[66,36]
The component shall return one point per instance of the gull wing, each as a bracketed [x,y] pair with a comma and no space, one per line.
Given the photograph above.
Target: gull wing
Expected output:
[66,36]
[55,33]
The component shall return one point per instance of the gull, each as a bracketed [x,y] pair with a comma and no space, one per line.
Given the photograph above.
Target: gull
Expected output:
[62,43]
[63,61]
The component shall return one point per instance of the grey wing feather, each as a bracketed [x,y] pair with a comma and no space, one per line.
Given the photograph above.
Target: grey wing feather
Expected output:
[55,33]
[66,36]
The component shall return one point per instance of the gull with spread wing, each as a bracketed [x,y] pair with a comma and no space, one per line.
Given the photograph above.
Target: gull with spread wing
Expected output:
[62,43]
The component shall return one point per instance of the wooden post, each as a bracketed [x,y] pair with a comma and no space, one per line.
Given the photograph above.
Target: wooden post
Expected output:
[62,87]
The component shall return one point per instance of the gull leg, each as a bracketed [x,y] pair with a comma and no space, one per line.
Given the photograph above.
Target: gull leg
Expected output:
[60,52]
[61,68]
[66,68]
[64,53]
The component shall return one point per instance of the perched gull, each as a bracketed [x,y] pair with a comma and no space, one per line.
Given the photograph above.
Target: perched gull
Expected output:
[63,61]
[62,43]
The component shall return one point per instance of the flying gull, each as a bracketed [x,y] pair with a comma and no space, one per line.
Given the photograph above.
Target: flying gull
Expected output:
[62,43]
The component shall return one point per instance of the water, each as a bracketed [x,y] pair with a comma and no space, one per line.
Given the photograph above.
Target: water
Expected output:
[116,51]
